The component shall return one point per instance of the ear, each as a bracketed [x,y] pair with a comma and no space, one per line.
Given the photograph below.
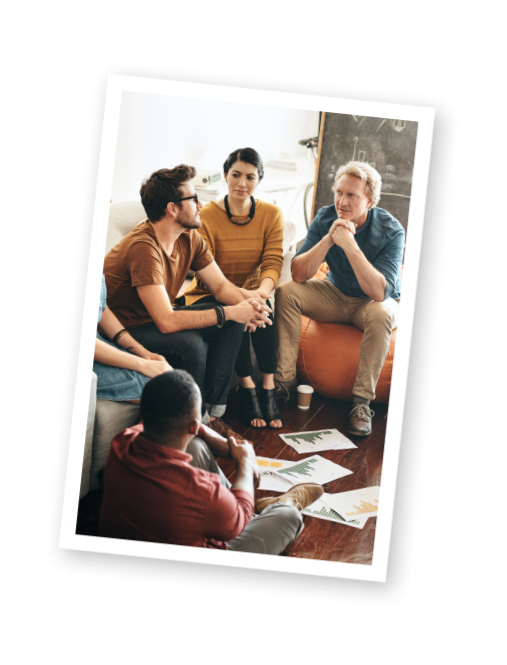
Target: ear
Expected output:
[194,427]
[171,209]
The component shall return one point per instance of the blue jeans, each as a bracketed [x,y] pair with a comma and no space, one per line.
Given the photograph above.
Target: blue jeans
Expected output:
[186,350]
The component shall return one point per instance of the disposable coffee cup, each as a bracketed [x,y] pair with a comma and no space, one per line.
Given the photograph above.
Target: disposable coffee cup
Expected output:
[304,397]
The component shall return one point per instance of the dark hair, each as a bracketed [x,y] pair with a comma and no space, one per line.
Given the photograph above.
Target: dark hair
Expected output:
[168,400]
[247,155]
[164,186]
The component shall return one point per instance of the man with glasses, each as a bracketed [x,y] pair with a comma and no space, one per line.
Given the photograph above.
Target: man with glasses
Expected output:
[145,272]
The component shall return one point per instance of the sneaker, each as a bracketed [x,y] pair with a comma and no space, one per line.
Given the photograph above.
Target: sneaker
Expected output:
[360,420]
[301,496]
[286,389]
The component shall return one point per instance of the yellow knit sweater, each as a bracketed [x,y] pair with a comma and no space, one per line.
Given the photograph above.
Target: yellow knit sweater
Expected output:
[245,254]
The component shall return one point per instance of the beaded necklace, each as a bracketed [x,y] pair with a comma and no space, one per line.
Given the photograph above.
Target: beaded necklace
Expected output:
[240,220]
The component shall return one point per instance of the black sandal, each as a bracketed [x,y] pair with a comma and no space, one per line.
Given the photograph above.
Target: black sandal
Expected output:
[250,408]
[269,406]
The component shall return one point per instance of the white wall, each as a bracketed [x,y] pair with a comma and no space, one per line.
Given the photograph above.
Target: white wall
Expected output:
[158,131]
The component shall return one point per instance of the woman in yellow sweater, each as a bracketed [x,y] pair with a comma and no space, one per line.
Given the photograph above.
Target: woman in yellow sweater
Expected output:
[245,236]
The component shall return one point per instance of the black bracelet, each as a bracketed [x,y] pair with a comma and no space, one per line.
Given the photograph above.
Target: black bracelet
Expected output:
[220,315]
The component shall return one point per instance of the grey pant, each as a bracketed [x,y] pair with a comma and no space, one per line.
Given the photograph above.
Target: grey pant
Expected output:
[320,300]
[267,533]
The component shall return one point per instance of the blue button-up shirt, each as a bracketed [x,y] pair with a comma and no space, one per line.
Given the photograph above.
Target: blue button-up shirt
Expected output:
[381,239]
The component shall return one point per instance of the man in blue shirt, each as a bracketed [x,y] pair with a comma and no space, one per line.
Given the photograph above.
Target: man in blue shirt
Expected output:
[363,247]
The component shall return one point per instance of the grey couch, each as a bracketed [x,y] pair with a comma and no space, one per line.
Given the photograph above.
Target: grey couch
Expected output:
[105,418]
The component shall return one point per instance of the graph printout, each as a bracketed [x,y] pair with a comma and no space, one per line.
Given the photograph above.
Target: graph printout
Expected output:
[270,480]
[313,469]
[355,504]
[317,440]
[320,510]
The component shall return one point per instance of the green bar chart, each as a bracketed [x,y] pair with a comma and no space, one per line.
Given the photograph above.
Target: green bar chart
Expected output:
[303,469]
[318,509]
[307,437]
[317,440]
[324,512]
[315,469]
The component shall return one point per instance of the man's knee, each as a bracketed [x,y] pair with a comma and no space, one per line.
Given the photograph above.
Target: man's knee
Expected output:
[236,328]
[200,453]
[188,352]
[287,294]
[191,346]
[293,517]
[289,518]
[379,316]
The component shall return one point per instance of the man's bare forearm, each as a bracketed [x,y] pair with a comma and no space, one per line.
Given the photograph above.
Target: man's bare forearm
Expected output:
[229,294]
[245,311]
[175,321]
[371,281]
[306,265]
[245,477]
[217,443]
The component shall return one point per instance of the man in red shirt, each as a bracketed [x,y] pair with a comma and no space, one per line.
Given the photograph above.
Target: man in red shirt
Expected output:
[156,490]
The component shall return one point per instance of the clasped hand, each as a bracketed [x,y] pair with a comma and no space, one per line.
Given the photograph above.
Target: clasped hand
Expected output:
[153,364]
[258,294]
[342,231]
[259,314]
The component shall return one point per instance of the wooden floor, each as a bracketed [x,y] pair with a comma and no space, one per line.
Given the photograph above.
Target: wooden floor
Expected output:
[320,539]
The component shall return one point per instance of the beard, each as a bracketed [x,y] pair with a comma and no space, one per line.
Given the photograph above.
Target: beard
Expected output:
[189,222]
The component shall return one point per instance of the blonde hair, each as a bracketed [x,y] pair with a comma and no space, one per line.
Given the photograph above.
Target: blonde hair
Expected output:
[369,175]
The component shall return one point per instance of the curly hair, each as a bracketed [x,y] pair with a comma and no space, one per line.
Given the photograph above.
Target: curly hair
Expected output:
[162,187]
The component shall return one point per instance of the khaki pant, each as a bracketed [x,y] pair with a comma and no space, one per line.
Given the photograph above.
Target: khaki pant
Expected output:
[320,300]
[267,533]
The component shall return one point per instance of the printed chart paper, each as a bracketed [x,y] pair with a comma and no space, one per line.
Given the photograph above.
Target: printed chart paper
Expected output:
[355,504]
[317,440]
[270,480]
[314,469]
[320,510]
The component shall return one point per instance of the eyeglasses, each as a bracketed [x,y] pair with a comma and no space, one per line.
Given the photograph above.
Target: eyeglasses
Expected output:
[187,198]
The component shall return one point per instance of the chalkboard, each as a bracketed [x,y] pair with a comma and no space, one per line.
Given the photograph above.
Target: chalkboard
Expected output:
[386,144]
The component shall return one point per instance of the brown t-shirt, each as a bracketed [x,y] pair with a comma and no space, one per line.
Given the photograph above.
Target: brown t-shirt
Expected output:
[139,260]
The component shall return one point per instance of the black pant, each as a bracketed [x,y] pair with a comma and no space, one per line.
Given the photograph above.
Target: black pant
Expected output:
[263,342]
[186,350]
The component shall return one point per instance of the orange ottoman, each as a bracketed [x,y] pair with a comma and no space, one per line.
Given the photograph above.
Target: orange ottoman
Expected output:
[329,357]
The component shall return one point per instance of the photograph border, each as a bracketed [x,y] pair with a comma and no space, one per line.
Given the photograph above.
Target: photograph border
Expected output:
[418,385]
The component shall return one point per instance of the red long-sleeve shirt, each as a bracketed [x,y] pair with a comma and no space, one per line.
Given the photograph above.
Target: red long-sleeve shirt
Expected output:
[152,493]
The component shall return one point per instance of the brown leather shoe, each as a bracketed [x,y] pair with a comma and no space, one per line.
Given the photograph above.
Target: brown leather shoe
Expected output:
[360,420]
[222,428]
[286,389]
[301,496]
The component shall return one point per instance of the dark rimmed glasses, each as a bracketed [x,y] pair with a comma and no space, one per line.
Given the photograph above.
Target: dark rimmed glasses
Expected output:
[187,198]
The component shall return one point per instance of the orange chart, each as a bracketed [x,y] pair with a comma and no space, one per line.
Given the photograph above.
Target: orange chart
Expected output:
[364,508]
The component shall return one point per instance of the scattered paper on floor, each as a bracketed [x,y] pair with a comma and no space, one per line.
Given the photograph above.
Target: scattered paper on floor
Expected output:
[313,469]
[354,504]
[317,440]
[320,510]
[270,480]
